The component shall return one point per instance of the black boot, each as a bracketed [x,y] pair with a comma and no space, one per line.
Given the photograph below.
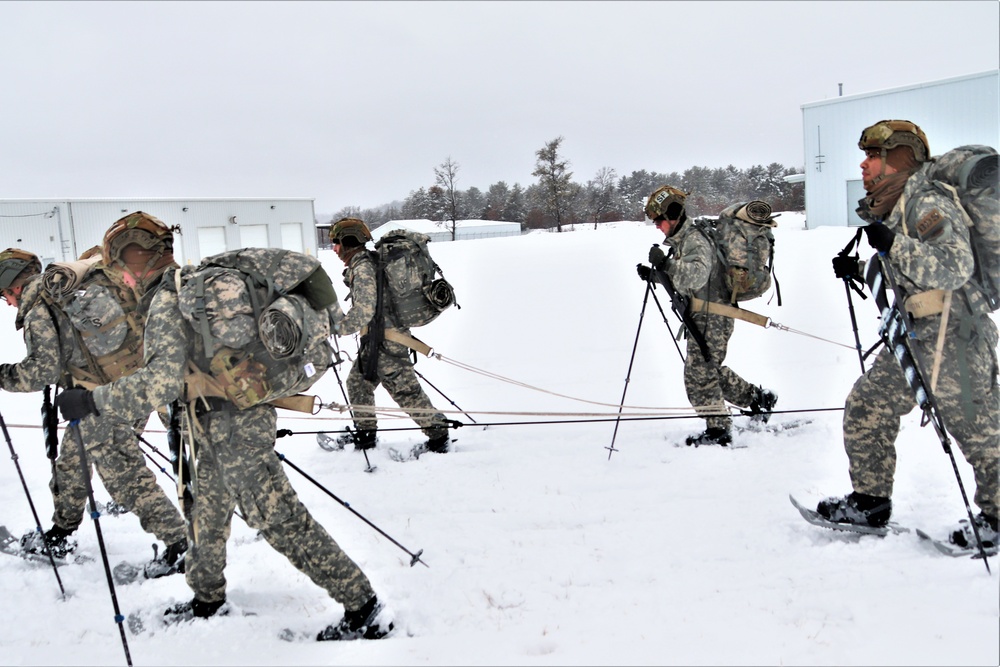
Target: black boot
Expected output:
[194,608]
[713,435]
[54,541]
[964,536]
[372,621]
[439,444]
[859,509]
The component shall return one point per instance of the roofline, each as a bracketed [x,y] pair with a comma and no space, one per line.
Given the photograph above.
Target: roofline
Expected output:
[890,91]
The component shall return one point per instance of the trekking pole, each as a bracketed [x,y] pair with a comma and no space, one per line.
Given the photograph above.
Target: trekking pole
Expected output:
[336,362]
[667,322]
[34,513]
[421,376]
[649,288]
[414,557]
[849,284]
[898,331]
[74,427]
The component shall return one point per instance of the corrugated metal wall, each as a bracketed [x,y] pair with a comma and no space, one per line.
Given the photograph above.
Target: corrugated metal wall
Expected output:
[951,112]
[61,230]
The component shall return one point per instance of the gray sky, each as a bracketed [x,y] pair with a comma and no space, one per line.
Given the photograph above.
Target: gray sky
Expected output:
[356,103]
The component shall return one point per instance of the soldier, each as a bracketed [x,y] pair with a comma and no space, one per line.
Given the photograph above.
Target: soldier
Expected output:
[67,346]
[695,269]
[920,231]
[393,368]
[235,465]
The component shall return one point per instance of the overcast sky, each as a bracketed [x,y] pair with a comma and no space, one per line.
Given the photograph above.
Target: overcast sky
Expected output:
[355,103]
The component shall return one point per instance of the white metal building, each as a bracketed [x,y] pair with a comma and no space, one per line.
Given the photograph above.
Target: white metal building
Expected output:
[61,229]
[951,112]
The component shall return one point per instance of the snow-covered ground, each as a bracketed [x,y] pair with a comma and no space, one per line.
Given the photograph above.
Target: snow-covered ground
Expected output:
[540,549]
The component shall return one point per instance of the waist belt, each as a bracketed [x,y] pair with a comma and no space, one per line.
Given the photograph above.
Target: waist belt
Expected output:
[702,306]
[926,304]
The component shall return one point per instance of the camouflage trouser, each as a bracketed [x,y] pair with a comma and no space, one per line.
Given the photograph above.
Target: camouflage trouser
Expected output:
[709,384]
[112,448]
[395,373]
[237,466]
[881,397]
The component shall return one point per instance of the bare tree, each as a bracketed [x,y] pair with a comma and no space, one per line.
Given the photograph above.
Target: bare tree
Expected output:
[446,174]
[554,178]
[601,193]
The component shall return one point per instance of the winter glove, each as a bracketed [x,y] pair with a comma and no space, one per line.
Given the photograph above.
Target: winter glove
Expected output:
[643,271]
[880,237]
[76,404]
[657,258]
[847,266]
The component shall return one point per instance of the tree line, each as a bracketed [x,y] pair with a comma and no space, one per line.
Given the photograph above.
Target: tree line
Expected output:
[556,200]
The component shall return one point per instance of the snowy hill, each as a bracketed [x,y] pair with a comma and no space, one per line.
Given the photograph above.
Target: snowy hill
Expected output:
[542,550]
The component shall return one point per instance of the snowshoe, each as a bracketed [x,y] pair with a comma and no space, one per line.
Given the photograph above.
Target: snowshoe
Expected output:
[857,509]
[711,436]
[964,537]
[372,621]
[54,541]
[762,405]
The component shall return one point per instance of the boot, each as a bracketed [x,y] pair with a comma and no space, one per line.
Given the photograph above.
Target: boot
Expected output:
[712,435]
[762,405]
[365,439]
[54,541]
[439,444]
[858,509]
[964,537]
[195,608]
[372,621]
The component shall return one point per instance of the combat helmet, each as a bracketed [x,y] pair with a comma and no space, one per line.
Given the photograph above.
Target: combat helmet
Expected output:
[14,262]
[888,134]
[666,202]
[350,232]
[139,228]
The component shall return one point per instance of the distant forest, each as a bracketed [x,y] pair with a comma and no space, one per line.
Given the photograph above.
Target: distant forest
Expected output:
[555,199]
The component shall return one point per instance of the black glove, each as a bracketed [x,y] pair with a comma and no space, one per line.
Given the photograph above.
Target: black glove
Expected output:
[880,237]
[657,258]
[643,271]
[847,266]
[76,404]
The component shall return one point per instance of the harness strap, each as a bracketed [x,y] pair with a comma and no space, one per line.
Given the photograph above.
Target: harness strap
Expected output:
[397,336]
[700,305]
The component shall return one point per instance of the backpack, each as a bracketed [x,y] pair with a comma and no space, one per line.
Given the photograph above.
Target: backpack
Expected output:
[744,244]
[407,271]
[972,172]
[264,316]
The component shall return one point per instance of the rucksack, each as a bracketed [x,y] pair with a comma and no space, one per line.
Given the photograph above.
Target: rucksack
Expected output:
[415,296]
[264,316]
[744,244]
[972,172]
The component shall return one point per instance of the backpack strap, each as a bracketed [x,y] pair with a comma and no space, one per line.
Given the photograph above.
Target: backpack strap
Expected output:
[702,306]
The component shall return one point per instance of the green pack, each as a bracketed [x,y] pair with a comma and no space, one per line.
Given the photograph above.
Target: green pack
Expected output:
[744,244]
[416,296]
[264,317]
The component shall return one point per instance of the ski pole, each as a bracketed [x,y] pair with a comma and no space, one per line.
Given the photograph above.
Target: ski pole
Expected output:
[337,361]
[669,328]
[645,299]
[848,285]
[431,385]
[34,513]
[414,557]
[74,427]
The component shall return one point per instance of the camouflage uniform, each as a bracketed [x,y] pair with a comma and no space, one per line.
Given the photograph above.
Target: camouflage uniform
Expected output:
[931,250]
[54,347]
[395,370]
[235,465]
[695,270]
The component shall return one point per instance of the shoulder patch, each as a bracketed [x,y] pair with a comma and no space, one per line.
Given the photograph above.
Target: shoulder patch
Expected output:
[931,225]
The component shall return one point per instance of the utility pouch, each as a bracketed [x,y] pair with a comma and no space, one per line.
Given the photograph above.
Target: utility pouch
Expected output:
[243,379]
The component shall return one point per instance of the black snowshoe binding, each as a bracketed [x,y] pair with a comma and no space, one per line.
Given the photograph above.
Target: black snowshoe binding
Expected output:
[711,436]
[369,622]
[762,405]
[964,536]
[194,608]
[361,439]
[171,562]
[54,541]
[858,509]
